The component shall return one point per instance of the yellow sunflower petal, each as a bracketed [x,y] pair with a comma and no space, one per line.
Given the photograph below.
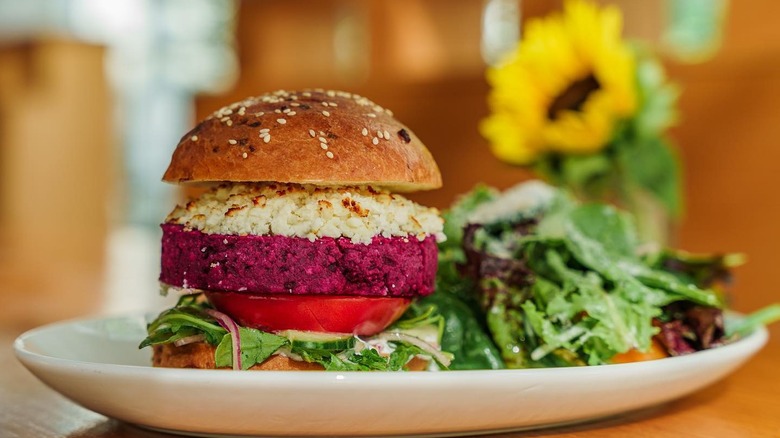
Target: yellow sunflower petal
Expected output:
[507,141]
[556,53]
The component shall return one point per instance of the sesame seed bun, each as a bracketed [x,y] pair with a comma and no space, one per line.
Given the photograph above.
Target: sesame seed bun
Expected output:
[310,137]
[201,355]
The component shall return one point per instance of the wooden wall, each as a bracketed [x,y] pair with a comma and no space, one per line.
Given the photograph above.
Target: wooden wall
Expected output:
[56,169]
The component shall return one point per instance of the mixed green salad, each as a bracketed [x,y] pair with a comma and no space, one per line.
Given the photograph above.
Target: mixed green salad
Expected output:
[531,278]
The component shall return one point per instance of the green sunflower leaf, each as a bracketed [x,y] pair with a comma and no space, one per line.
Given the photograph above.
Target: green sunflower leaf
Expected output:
[653,165]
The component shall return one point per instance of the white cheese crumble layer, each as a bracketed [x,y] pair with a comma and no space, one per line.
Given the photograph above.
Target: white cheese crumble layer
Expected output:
[357,213]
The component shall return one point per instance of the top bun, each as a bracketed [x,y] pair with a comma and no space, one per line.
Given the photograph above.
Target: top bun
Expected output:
[310,137]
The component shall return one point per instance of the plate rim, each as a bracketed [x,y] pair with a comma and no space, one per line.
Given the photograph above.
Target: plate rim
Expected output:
[755,341]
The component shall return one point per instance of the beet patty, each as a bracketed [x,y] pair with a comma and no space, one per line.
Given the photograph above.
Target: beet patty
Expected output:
[388,266]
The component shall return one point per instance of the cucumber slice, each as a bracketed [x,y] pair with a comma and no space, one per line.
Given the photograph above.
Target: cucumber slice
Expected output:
[302,340]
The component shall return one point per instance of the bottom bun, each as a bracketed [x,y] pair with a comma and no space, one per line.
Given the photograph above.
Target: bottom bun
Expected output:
[201,355]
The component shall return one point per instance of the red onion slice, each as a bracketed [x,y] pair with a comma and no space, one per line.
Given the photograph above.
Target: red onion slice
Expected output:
[228,324]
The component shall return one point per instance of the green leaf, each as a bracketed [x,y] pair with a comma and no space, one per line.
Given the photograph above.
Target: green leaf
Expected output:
[456,216]
[639,282]
[366,360]
[256,347]
[506,323]
[585,173]
[180,322]
[167,335]
[658,97]
[613,229]
[420,314]
[617,321]
[748,324]
[652,165]
[592,255]
[673,284]
[463,336]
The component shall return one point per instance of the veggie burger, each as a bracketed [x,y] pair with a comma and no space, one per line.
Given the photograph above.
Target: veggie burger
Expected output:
[300,255]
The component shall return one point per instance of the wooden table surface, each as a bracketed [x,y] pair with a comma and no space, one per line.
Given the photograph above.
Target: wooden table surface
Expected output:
[745,404]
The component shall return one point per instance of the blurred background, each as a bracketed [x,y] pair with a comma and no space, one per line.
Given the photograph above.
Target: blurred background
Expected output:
[94,96]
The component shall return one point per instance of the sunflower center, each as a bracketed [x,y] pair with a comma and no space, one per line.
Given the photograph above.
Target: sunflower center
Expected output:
[573,97]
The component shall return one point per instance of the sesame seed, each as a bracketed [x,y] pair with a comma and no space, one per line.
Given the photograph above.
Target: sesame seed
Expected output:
[242,111]
[322,133]
[224,119]
[326,114]
[331,93]
[324,146]
[323,139]
[379,134]
[364,131]
[264,130]
[281,121]
[229,123]
[333,104]
[244,155]
[372,115]
[194,138]
[224,241]
[231,141]
[292,113]
[278,111]
[329,154]
[260,114]
[387,135]
[295,103]
[306,94]
[375,140]
[227,112]
[266,139]
[324,103]
[312,133]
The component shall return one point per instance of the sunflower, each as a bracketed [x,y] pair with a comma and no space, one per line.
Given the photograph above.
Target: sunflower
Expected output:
[562,91]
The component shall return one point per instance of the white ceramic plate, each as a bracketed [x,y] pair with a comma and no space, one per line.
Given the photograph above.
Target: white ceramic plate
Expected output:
[96,363]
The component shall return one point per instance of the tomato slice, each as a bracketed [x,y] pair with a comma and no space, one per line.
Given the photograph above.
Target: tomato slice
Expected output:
[338,314]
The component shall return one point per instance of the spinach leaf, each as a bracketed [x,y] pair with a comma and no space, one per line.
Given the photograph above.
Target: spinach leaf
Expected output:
[462,334]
